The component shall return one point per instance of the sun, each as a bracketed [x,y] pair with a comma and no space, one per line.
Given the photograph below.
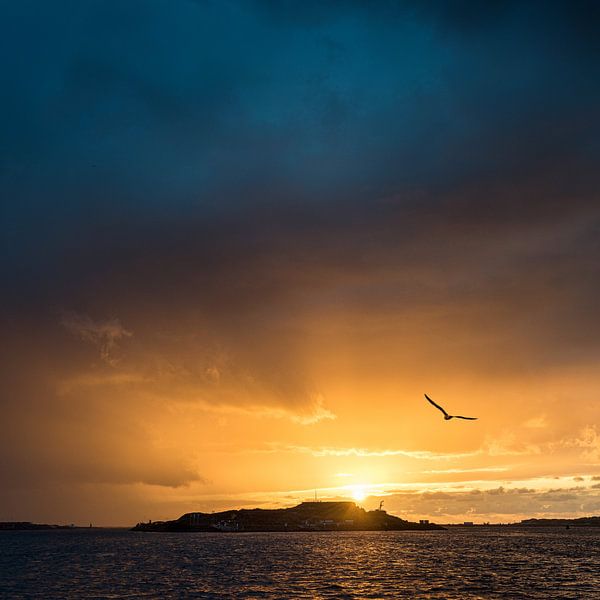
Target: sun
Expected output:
[359,492]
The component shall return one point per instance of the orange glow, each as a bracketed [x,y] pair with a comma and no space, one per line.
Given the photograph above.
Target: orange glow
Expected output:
[359,492]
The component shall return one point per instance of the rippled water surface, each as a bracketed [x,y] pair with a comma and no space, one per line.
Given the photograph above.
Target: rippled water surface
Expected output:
[458,563]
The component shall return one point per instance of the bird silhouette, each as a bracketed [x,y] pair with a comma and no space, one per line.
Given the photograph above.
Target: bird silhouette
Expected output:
[447,417]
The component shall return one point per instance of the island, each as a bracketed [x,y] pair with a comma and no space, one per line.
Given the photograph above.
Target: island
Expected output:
[580,522]
[307,516]
[29,526]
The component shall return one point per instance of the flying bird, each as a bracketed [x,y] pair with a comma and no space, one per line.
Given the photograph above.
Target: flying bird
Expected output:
[447,417]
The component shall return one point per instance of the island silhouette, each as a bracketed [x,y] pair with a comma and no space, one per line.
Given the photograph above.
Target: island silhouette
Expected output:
[307,516]
[327,516]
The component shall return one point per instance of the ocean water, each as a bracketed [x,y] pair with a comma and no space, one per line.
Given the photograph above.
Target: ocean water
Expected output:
[458,563]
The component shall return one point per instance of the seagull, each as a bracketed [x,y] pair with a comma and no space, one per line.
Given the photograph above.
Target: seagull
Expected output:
[447,417]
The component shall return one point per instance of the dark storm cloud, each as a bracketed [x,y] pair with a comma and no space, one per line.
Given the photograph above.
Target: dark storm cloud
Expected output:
[233,170]
[199,104]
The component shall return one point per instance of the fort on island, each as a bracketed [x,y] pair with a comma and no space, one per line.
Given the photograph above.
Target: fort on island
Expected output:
[307,516]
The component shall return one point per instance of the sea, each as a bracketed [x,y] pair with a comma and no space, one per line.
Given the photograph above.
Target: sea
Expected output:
[469,562]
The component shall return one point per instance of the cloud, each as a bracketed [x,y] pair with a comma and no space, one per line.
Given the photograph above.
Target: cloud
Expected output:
[296,212]
[496,504]
[309,414]
[217,382]
[587,439]
[213,374]
[471,470]
[103,334]
[536,422]
[90,445]
[80,382]
[508,444]
[501,446]
[368,453]
[316,412]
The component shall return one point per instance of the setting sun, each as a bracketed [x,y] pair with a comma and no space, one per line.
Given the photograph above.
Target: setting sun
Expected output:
[359,492]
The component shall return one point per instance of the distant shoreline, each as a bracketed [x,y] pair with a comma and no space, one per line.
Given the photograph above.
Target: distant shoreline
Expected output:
[29,526]
[217,523]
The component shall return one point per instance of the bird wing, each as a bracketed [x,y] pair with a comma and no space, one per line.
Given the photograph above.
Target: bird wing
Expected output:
[466,418]
[436,405]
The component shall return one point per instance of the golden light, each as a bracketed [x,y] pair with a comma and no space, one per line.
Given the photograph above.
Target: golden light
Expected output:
[359,492]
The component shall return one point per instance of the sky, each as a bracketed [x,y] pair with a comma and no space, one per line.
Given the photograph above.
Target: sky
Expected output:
[241,239]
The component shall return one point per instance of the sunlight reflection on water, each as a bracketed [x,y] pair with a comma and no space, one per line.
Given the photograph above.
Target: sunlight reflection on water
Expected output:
[459,563]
